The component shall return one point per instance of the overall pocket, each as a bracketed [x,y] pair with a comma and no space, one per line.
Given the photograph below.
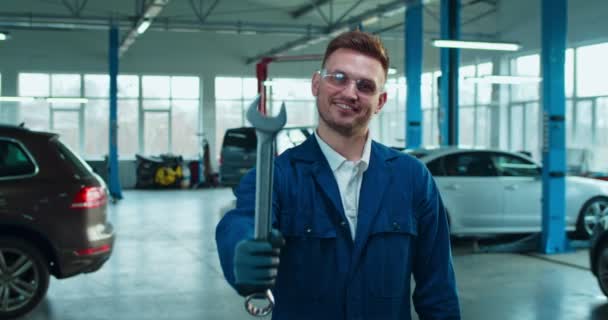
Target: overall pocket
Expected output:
[308,260]
[388,255]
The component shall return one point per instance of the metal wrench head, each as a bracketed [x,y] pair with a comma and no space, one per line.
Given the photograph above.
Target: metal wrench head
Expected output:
[266,124]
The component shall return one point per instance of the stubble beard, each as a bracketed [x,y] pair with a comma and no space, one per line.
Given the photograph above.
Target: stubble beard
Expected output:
[351,129]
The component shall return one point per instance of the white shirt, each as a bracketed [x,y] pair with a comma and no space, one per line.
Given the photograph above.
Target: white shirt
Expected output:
[349,175]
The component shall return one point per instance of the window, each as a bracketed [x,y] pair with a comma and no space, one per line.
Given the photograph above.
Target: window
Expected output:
[510,166]
[14,161]
[592,69]
[470,164]
[436,167]
[526,66]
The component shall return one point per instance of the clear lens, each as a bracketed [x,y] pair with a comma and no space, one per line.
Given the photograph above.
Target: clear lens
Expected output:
[341,79]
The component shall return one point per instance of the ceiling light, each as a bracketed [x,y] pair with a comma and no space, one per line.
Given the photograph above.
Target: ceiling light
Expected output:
[392,71]
[478,45]
[495,79]
[16,99]
[67,100]
[338,32]
[143,26]
[370,20]
[3,36]
[393,12]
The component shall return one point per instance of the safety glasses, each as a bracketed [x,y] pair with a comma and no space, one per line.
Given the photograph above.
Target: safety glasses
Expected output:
[340,79]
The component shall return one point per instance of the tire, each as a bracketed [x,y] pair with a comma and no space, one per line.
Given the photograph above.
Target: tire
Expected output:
[24,277]
[601,264]
[589,216]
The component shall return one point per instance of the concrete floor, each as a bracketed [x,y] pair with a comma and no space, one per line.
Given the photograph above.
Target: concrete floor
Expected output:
[165,266]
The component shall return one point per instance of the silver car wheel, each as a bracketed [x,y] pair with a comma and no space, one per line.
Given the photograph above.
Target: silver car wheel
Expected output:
[19,279]
[595,212]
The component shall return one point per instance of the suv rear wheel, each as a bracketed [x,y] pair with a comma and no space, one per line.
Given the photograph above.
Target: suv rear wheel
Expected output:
[24,277]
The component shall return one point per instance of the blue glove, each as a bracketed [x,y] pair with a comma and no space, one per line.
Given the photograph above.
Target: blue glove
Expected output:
[256,263]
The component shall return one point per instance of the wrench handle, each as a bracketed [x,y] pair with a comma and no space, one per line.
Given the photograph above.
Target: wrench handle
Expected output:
[264,179]
[257,311]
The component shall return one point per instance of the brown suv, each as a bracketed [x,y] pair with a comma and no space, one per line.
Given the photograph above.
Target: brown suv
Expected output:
[52,217]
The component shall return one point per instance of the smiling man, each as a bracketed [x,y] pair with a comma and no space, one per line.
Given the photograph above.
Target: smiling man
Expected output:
[353,220]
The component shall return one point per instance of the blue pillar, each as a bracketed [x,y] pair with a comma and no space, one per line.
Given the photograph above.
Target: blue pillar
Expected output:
[554,20]
[413,73]
[113,174]
[448,85]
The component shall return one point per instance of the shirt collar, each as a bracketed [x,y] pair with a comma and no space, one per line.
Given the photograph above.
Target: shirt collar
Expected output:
[335,159]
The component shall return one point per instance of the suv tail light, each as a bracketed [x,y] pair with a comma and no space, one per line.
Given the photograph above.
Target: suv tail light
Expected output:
[89,198]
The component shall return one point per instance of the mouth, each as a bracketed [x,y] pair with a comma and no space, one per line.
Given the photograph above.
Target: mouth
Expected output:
[346,107]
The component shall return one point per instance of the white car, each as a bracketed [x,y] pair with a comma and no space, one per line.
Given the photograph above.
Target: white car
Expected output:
[493,191]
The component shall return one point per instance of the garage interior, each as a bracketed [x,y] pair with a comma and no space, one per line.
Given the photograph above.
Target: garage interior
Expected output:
[186,71]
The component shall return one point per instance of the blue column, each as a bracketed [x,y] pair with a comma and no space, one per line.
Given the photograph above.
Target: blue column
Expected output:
[450,62]
[554,20]
[113,174]
[413,73]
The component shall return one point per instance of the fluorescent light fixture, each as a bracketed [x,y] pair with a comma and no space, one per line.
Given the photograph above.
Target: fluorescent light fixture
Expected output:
[370,20]
[495,79]
[3,36]
[143,26]
[16,99]
[392,71]
[299,47]
[67,100]
[338,32]
[393,12]
[477,45]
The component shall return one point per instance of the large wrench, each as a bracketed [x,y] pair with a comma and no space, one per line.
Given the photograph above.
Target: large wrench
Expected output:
[266,129]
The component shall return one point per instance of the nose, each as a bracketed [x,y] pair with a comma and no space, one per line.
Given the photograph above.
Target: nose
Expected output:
[350,90]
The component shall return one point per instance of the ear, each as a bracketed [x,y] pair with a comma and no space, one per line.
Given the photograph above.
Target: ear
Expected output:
[381,101]
[316,82]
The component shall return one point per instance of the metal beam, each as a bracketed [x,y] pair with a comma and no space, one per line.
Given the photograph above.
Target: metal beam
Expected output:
[307,8]
[554,34]
[336,28]
[102,23]
[113,174]
[450,62]
[202,16]
[151,11]
[413,73]
[348,11]
[320,12]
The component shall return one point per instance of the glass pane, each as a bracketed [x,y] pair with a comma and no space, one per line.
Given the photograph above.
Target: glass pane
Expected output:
[427,90]
[526,66]
[516,128]
[569,72]
[35,114]
[291,89]
[128,128]
[592,68]
[435,86]
[299,113]
[484,90]
[466,127]
[401,93]
[96,126]
[228,88]
[156,86]
[97,85]
[65,85]
[250,88]
[184,115]
[583,128]
[185,87]
[601,118]
[128,86]
[156,104]
[34,85]
[156,133]
[65,123]
[228,114]
[65,105]
[482,132]
[466,91]
[532,130]
[569,122]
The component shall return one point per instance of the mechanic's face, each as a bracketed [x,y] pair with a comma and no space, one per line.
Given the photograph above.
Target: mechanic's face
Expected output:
[349,91]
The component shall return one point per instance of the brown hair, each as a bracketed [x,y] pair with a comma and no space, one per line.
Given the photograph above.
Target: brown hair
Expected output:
[365,43]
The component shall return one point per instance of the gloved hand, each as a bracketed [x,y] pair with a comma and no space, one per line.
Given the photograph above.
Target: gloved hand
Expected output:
[256,263]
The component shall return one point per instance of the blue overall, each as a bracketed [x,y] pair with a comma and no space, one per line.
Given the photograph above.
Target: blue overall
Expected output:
[402,230]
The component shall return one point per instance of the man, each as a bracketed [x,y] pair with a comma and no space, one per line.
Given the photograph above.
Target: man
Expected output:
[353,219]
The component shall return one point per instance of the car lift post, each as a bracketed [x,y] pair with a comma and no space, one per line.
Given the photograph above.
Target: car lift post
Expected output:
[113,174]
[413,69]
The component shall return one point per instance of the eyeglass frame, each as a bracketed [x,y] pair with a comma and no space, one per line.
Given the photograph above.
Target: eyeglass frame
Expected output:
[324,73]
